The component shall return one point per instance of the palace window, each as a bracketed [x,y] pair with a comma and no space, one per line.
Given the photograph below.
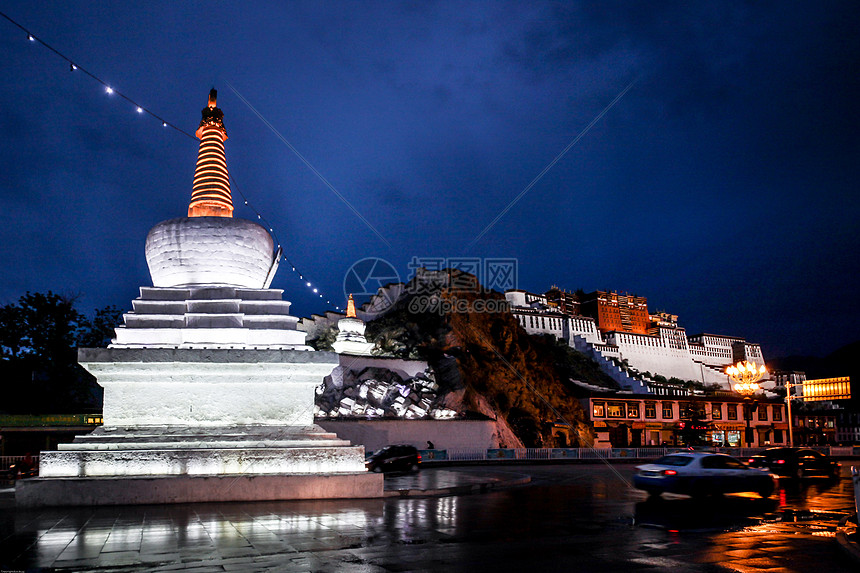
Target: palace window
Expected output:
[777,414]
[615,410]
[650,410]
[668,411]
[599,410]
[632,410]
[762,413]
[731,411]
[716,411]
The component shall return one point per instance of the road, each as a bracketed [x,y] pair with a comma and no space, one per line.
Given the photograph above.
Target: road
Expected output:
[569,518]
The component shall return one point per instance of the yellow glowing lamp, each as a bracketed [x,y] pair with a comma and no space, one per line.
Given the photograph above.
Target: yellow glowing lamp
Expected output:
[746,376]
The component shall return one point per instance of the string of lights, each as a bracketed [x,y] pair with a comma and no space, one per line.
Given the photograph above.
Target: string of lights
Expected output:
[110,90]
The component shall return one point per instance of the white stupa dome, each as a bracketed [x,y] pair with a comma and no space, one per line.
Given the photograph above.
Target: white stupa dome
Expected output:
[210,247]
[209,251]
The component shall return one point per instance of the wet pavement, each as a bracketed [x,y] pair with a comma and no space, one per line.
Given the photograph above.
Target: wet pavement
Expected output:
[437,481]
[569,518]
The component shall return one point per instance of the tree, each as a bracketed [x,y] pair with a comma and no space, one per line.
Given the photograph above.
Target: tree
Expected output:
[98,332]
[39,336]
[694,425]
[325,338]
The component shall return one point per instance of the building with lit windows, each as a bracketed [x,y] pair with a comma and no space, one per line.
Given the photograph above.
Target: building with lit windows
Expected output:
[621,421]
[617,312]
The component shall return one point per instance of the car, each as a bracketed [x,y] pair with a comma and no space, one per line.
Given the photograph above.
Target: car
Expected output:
[796,463]
[394,458]
[702,473]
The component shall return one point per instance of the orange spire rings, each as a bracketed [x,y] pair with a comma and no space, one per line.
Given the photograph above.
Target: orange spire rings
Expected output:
[210,193]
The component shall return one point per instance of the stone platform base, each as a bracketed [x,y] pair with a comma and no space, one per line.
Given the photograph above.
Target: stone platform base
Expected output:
[39,492]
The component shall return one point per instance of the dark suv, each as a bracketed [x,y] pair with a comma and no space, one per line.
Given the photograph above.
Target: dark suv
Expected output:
[394,458]
[798,463]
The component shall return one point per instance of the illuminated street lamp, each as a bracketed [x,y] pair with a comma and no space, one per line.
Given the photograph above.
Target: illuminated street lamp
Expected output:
[746,376]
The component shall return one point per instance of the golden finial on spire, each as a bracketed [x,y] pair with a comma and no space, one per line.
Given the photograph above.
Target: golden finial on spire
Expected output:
[350,307]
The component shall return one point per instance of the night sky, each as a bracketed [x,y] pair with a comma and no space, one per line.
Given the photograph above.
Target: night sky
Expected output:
[722,186]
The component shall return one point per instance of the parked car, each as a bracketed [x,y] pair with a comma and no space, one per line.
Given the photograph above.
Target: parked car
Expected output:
[699,473]
[796,463]
[394,458]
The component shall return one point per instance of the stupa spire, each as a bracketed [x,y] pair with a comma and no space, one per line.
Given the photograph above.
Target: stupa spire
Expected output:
[350,307]
[210,194]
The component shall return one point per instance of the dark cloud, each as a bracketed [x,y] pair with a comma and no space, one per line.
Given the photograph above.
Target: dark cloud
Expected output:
[736,149]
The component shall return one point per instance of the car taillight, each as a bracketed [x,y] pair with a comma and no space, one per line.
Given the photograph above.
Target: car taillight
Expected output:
[749,461]
[419,457]
[780,461]
[669,472]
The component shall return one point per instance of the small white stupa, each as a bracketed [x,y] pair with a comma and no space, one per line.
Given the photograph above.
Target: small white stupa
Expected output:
[208,386]
[350,335]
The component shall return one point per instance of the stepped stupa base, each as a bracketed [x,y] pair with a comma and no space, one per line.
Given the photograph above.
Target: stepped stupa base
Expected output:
[90,491]
[208,386]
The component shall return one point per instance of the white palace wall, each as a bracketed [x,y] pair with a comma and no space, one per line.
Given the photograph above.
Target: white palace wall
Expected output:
[652,354]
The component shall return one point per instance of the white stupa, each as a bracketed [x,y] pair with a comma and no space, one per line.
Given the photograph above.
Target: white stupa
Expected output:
[350,335]
[208,385]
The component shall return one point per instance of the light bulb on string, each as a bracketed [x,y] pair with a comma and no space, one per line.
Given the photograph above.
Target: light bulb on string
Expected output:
[139,109]
[110,91]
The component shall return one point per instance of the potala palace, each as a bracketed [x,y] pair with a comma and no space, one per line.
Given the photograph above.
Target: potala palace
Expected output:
[619,333]
[640,350]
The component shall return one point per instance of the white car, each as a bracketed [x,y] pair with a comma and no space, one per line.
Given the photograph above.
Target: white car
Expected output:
[701,473]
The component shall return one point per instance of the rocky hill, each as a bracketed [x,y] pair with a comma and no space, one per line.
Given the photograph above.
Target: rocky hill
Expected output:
[486,363]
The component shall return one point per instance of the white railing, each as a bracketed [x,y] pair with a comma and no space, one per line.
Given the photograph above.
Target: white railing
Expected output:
[6,461]
[466,454]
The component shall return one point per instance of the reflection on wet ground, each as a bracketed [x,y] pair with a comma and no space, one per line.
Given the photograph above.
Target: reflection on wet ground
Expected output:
[572,517]
[438,479]
[793,502]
